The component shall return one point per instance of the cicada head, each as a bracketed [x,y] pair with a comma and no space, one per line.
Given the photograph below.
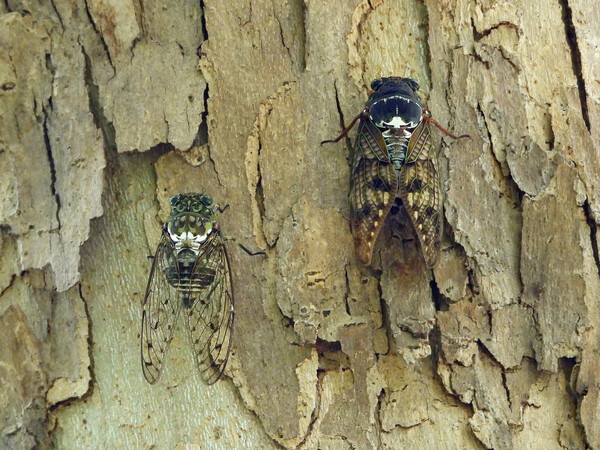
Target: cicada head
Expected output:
[192,220]
[395,103]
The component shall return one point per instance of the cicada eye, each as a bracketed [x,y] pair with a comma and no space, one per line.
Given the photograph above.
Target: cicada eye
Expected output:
[376,84]
[412,84]
[174,199]
[206,200]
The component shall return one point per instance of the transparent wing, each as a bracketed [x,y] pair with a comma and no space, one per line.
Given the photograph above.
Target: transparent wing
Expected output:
[160,310]
[373,188]
[420,191]
[210,315]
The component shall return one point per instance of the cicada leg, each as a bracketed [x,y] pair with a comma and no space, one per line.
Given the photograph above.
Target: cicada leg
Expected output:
[430,119]
[347,129]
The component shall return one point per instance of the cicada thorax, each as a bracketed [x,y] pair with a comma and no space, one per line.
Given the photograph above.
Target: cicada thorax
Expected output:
[189,232]
[396,143]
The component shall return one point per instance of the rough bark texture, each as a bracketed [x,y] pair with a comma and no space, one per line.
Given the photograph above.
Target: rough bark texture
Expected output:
[109,107]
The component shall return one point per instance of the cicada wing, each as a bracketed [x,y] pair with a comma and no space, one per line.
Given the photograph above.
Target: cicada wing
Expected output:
[160,310]
[421,193]
[373,188]
[210,315]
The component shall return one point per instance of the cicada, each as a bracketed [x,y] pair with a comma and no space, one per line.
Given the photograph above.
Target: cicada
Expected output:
[190,274]
[394,158]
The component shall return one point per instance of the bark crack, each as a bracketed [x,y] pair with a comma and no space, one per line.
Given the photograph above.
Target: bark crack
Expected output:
[55,194]
[100,36]
[57,14]
[296,27]
[509,189]
[88,393]
[427,67]
[253,169]
[281,36]
[386,319]
[478,35]
[96,108]
[203,130]
[342,121]
[494,362]
[166,126]
[8,86]
[202,20]
[508,177]
[506,388]
[51,162]
[472,282]
[90,341]
[303,53]
[377,413]
[52,69]
[260,194]
[571,36]
[593,233]
[440,301]
[10,284]
[202,135]
[255,414]
[142,22]
[346,304]
[315,413]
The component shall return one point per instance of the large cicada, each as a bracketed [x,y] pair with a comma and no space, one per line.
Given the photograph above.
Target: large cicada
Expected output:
[394,157]
[190,273]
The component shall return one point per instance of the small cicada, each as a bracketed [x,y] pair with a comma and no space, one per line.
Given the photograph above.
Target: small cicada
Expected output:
[394,157]
[190,272]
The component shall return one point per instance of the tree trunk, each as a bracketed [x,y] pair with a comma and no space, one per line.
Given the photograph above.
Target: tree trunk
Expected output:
[110,107]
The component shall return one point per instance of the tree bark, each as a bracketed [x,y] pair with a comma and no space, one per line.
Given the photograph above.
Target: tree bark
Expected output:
[108,108]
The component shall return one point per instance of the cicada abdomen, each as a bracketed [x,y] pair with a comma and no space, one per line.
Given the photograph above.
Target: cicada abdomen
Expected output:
[394,157]
[190,276]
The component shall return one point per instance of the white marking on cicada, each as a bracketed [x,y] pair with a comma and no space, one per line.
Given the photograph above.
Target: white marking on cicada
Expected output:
[380,212]
[410,198]
[187,239]
[397,121]
[375,223]
[386,197]
[204,236]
